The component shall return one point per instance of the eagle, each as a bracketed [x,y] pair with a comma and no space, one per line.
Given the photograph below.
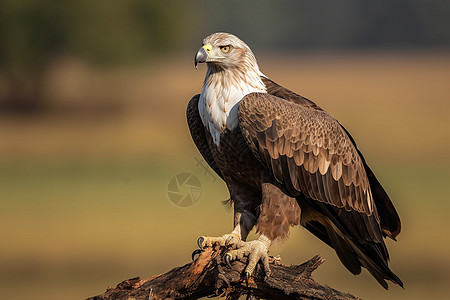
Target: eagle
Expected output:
[285,162]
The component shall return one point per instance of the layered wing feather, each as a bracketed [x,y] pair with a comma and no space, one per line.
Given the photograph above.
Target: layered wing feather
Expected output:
[314,158]
[389,219]
[308,151]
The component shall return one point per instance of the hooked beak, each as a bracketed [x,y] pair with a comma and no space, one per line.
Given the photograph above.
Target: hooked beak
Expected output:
[200,57]
[202,54]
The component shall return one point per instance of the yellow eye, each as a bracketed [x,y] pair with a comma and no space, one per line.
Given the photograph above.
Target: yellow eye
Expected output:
[225,49]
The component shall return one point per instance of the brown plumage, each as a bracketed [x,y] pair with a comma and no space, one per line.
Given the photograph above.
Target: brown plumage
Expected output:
[286,161]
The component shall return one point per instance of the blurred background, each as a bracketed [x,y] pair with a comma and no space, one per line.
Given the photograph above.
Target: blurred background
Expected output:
[92,130]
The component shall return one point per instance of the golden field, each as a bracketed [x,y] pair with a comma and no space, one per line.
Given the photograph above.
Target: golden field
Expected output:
[83,186]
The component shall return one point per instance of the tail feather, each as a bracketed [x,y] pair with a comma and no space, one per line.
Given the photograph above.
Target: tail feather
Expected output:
[353,253]
[345,253]
[371,258]
[369,255]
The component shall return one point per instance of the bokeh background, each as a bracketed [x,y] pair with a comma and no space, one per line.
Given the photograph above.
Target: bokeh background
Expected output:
[92,129]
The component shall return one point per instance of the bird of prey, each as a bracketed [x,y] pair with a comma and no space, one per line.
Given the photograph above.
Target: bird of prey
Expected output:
[285,162]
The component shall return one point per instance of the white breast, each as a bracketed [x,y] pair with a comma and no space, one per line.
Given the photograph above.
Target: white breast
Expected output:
[218,105]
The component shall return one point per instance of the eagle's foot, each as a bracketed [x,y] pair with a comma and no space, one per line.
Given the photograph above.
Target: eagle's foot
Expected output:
[230,239]
[255,250]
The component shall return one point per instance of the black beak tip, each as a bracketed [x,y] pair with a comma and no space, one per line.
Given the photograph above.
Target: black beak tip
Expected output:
[200,57]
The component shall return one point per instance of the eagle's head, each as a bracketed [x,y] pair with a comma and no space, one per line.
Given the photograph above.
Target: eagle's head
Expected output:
[226,51]
[232,74]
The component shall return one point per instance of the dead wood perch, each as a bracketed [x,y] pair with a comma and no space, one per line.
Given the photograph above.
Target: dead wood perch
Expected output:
[207,276]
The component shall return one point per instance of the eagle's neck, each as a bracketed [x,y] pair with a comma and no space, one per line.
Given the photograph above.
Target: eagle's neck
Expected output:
[222,91]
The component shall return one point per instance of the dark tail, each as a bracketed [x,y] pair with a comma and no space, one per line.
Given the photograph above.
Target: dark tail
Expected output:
[354,255]
[370,255]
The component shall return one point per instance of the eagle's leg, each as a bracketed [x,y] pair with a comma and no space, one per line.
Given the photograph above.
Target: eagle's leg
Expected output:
[277,213]
[243,220]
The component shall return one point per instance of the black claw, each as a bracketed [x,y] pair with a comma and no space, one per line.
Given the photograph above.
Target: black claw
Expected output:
[200,242]
[247,277]
[227,260]
[196,251]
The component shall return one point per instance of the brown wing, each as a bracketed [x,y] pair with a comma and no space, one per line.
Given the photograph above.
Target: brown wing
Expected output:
[308,152]
[198,133]
[321,160]
[389,219]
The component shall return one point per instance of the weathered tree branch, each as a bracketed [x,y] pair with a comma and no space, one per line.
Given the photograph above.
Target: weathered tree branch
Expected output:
[208,276]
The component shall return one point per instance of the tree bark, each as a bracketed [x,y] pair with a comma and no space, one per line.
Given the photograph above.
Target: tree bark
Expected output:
[208,276]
